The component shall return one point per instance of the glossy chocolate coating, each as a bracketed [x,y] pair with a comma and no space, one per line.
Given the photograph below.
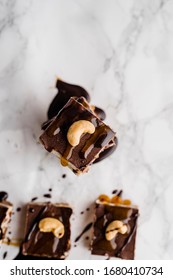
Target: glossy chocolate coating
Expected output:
[3,196]
[100,113]
[65,91]
[106,153]
[3,212]
[90,146]
[45,244]
[123,245]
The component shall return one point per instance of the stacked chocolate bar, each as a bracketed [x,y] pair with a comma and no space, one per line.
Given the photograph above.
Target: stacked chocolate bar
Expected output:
[47,230]
[75,130]
[115,225]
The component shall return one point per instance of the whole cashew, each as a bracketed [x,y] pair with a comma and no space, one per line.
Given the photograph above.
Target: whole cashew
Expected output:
[77,129]
[52,225]
[113,228]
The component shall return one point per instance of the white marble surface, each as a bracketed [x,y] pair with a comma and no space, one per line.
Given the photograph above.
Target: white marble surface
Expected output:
[122,53]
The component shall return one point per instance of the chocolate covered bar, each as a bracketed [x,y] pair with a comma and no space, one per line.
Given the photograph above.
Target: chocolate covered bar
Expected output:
[114,229]
[5,214]
[47,230]
[65,92]
[77,136]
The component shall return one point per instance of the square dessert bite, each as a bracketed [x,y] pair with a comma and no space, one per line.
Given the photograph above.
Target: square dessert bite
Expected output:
[47,230]
[77,136]
[114,227]
[5,214]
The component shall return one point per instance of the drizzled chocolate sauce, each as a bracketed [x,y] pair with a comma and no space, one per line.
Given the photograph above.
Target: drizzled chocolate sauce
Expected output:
[70,113]
[3,196]
[122,245]
[1,234]
[87,227]
[65,91]
[106,153]
[4,255]
[45,244]
[128,240]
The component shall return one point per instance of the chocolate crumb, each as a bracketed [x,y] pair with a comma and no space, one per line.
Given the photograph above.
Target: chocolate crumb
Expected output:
[18,209]
[47,195]
[88,209]
[117,192]
[64,176]
[114,191]
[82,212]
[87,238]
[50,190]
[4,255]
[34,198]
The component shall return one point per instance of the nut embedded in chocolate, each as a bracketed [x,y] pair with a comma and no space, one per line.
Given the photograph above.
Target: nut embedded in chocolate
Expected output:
[52,225]
[115,228]
[44,223]
[77,129]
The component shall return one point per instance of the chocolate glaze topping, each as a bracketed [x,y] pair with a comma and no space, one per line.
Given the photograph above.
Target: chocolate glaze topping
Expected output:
[89,146]
[3,196]
[106,153]
[45,244]
[122,245]
[65,91]
[1,234]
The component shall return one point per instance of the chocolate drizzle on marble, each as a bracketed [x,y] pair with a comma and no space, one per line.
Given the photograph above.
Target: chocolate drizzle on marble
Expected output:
[65,91]
[3,196]
[86,228]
